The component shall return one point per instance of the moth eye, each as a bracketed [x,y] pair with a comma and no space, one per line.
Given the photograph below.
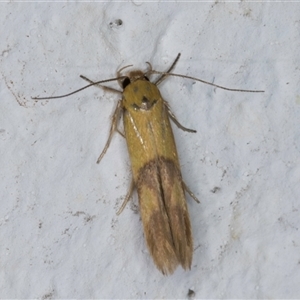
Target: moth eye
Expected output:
[146,78]
[125,82]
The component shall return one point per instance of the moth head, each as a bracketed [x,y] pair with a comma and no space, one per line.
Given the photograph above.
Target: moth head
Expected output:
[134,76]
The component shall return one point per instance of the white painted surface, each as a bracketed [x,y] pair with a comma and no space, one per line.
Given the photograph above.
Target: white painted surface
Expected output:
[60,236]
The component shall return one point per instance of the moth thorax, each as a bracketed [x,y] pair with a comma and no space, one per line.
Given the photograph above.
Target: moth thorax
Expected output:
[147,104]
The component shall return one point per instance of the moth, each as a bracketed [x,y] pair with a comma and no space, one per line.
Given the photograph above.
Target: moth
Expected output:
[155,165]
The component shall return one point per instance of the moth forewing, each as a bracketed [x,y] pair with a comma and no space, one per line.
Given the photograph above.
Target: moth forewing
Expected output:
[157,176]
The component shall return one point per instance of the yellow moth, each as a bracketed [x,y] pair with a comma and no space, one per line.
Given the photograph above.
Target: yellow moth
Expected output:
[155,165]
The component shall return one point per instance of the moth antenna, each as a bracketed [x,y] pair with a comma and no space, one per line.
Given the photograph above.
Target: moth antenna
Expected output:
[79,90]
[207,82]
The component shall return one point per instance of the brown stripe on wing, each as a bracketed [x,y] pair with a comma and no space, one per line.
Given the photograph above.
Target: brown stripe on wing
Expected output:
[164,214]
[177,211]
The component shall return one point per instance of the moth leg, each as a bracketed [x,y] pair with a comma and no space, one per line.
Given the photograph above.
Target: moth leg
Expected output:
[127,198]
[105,88]
[121,133]
[162,77]
[174,119]
[102,86]
[113,128]
[186,188]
